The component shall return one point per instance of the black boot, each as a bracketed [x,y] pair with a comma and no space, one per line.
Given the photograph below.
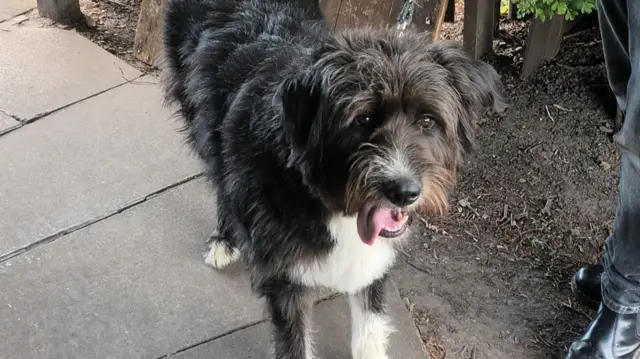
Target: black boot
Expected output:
[585,286]
[610,336]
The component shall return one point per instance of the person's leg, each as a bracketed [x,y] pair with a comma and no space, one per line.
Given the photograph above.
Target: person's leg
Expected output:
[614,28]
[621,279]
[614,333]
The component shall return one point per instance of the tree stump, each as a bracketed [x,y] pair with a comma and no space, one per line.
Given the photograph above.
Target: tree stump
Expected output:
[62,11]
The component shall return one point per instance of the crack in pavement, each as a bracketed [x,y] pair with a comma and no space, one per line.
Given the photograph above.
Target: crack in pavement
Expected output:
[209,340]
[41,115]
[325,298]
[77,227]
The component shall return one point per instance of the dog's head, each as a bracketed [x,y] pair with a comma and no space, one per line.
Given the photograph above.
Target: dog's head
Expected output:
[380,122]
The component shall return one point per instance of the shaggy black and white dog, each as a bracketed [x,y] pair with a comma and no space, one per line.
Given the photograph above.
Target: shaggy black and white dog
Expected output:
[321,148]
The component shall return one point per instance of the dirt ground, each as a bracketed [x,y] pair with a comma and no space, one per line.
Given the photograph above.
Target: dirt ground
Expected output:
[535,202]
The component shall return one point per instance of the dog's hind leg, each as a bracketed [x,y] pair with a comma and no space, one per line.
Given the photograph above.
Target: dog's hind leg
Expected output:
[290,308]
[369,324]
[221,248]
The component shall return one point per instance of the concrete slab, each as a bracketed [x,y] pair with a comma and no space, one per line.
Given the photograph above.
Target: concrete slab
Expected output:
[7,123]
[11,8]
[131,286]
[46,69]
[88,160]
[332,337]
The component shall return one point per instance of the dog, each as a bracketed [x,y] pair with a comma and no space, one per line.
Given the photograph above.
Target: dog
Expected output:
[321,147]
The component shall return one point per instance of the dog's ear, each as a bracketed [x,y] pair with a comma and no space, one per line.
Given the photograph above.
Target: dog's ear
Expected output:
[477,82]
[301,98]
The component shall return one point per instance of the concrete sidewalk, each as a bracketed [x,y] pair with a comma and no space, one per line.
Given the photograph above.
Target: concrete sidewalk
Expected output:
[103,213]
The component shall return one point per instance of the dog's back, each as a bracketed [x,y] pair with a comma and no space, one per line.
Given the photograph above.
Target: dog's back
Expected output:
[213,47]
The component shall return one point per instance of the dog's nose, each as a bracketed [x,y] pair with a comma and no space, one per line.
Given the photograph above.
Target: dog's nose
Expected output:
[402,192]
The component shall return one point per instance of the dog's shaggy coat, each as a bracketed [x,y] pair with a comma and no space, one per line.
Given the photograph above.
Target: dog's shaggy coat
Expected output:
[321,146]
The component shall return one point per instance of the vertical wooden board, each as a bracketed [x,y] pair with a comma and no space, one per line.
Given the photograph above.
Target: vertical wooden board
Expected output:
[543,43]
[360,13]
[148,41]
[427,14]
[478,27]
[331,10]
[496,18]
[513,10]
[63,11]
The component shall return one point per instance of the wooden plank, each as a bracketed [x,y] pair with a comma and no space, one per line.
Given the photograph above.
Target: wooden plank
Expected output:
[496,18]
[148,41]
[542,43]
[450,15]
[331,10]
[513,11]
[478,27]
[63,11]
[428,14]
[374,13]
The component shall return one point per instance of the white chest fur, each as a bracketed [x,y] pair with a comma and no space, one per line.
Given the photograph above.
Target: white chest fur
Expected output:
[352,265]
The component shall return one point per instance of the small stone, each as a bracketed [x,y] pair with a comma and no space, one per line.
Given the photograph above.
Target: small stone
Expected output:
[605,166]
[605,129]
[91,23]
[522,180]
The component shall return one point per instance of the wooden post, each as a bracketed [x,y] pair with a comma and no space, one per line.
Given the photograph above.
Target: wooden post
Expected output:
[543,42]
[513,10]
[148,42]
[496,18]
[478,27]
[62,11]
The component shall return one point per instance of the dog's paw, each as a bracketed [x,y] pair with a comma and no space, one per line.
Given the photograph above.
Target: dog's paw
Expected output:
[370,338]
[221,255]
[370,352]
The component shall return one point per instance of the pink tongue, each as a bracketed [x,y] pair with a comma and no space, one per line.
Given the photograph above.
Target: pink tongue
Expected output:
[371,220]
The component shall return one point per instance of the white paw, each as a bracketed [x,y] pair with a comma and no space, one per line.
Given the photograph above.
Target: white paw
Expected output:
[220,256]
[373,351]
[370,337]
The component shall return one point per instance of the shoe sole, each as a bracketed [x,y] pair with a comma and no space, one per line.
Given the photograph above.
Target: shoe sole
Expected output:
[583,298]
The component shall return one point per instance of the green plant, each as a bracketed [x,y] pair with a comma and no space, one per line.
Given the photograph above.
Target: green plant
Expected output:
[545,9]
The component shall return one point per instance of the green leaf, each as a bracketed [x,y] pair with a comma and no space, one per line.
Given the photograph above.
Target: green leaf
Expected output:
[562,9]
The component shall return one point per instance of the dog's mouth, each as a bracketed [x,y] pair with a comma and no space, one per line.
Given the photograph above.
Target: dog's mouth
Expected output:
[374,221]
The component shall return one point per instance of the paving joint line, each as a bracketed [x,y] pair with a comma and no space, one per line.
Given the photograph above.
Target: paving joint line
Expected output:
[53,237]
[209,340]
[15,16]
[326,298]
[40,115]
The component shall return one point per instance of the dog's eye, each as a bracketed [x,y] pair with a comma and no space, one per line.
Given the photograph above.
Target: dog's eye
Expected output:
[363,120]
[427,122]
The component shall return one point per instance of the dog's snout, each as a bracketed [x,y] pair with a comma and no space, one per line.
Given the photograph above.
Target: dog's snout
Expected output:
[402,192]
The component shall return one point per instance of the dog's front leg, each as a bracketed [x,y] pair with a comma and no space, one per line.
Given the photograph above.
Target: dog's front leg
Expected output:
[290,306]
[369,324]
